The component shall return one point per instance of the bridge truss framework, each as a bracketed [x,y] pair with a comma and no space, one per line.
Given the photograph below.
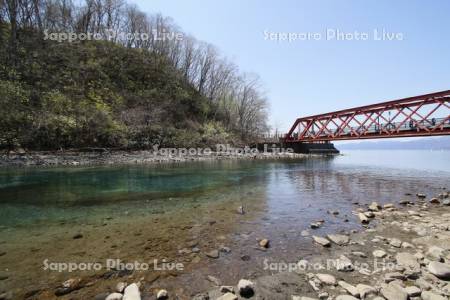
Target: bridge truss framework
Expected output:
[425,115]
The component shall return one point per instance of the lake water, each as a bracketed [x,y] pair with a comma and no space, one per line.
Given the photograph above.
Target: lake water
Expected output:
[148,212]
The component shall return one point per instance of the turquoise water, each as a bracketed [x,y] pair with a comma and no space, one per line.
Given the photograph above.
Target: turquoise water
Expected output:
[288,187]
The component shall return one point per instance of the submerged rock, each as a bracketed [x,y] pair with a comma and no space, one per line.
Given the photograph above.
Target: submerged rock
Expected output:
[363,218]
[321,241]
[374,206]
[338,239]
[213,254]
[264,243]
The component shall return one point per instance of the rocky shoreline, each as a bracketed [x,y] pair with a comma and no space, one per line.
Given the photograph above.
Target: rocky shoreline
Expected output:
[93,158]
[402,253]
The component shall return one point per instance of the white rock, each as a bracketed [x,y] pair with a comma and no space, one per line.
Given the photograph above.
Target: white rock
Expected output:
[162,294]
[379,254]
[374,206]
[407,260]
[349,288]
[440,270]
[345,297]
[413,291]
[246,287]
[327,279]
[435,253]
[120,287]
[344,264]
[394,291]
[395,243]
[365,290]
[321,241]
[132,292]
[339,239]
[226,289]
[114,296]
[427,295]
[359,254]
[228,296]
[363,218]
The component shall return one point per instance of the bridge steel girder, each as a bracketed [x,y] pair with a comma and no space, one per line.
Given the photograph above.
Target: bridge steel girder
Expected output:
[425,115]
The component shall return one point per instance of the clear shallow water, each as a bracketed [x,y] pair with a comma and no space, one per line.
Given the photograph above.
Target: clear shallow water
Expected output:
[147,212]
[286,187]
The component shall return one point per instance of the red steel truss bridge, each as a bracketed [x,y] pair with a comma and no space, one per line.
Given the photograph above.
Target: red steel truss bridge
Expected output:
[426,115]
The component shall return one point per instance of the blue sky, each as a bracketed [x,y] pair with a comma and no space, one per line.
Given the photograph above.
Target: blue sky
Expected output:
[316,76]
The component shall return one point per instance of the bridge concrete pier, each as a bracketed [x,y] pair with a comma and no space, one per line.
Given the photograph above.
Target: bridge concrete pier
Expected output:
[312,148]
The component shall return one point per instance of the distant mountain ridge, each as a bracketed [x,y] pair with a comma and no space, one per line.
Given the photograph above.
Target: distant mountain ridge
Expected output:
[440,143]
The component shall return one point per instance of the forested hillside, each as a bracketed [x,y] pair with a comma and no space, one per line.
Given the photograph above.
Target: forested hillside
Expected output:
[117,91]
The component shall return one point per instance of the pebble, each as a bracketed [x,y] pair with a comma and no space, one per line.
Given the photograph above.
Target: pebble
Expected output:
[162,295]
[374,206]
[359,254]
[344,264]
[369,214]
[214,280]
[435,201]
[407,260]
[227,296]
[389,277]
[345,297]
[395,243]
[264,243]
[338,239]
[352,290]
[427,295]
[326,279]
[413,291]
[435,253]
[363,218]
[365,290]
[226,289]
[213,254]
[315,225]
[440,270]
[321,241]
[77,236]
[393,291]
[114,296]
[379,253]
[120,287]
